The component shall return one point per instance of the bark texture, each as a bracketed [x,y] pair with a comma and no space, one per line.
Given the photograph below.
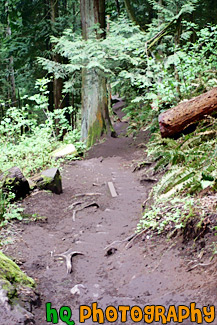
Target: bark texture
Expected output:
[59,102]
[95,116]
[176,119]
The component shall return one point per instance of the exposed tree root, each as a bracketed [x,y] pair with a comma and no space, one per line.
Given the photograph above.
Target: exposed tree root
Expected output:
[68,257]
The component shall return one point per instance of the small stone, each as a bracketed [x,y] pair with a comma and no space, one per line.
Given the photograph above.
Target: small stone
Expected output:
[75,290]
[111,251]
[50,179]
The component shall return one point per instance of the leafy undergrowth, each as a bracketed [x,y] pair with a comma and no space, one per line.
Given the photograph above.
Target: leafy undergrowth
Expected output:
[184,201]
[30,151]
[188,217]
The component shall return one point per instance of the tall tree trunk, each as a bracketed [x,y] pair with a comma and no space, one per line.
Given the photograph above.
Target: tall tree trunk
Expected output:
[58,82]
[177,43]
[11,60]
[47,15]
[160,16]
[150,13]
[193,35]
[95,115]
[118,7]
[130,11]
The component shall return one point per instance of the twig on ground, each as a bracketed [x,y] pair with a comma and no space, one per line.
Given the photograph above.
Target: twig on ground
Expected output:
[88,205]
[199,264]
[130,239]
[141,165]
[86,194]
[152,180]
[146,201]
[73,215]
[75,204]
[96,184]
[120,241]
[135,237]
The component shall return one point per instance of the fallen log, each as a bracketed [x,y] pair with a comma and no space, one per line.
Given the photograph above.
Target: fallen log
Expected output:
[178,118]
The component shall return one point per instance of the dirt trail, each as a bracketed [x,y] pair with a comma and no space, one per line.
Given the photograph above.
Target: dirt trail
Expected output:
[150,272]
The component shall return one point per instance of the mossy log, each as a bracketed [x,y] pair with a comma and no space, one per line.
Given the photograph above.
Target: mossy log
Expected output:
[175,120]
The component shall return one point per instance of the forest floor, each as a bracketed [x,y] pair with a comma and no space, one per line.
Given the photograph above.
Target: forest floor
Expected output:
[150,271]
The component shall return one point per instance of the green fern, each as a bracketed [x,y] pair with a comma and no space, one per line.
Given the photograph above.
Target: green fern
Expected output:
[190,161]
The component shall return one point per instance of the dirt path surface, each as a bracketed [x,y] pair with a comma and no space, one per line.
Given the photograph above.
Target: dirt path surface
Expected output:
[151,272]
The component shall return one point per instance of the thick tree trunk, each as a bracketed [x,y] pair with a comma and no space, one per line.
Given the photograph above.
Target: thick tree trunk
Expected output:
[95,116]
[176,119]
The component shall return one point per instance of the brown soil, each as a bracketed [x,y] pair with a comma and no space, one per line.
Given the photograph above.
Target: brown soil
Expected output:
[151,272]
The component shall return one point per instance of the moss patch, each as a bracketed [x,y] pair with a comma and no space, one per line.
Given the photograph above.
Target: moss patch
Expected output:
[50,180]
[10,181]
[95,132]
[11,274]
[47,180]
